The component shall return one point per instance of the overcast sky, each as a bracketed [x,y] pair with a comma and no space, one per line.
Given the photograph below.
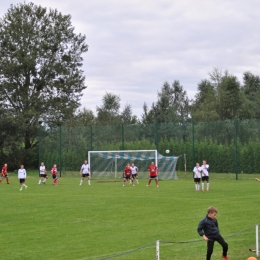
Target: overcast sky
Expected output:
[137,45]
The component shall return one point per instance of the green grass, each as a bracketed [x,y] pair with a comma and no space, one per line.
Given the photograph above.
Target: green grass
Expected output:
[90,222]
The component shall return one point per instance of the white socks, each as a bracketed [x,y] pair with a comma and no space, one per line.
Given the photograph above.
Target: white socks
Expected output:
[81,181]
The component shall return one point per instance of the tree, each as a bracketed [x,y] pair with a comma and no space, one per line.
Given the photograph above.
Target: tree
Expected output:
[222,98]
[109,112]
[204,106]
[172,105]
[82,117]
[40,61]
[251,90]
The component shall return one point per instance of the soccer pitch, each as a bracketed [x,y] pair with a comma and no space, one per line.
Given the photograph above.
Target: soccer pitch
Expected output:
[105,219]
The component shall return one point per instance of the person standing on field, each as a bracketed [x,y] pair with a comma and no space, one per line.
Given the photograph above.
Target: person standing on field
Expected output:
[85,172]
[134,170]
[5,174]
[153,174]
[208,229]
[204,174]
[197,176]
[54,175]
[22,177]
[128,175]
[43,174]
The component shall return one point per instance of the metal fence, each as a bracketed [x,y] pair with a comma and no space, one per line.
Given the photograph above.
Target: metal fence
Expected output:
[231,146]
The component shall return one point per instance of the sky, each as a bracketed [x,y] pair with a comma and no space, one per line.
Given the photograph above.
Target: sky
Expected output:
[137,45]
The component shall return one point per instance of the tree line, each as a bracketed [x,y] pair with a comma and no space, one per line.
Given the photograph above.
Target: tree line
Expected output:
[42,81]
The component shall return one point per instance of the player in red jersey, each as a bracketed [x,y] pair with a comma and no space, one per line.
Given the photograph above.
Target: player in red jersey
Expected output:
[153,174]
[128,174]
[54,175]
[5,173]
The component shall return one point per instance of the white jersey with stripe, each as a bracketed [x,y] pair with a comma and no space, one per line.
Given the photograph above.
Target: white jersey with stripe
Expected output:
[204,168]
[85,168]
[134,169]
[197,172]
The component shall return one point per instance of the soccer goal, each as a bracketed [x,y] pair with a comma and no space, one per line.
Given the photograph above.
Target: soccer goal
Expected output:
[110,164]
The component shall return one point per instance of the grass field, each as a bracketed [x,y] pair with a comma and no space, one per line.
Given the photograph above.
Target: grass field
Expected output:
[97,221]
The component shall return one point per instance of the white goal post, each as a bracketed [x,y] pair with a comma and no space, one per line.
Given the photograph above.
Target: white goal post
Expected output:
[110,164]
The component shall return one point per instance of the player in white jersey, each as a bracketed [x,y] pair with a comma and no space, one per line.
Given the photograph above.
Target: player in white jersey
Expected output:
[85,172]
[204,174]
[197,176]
[43,174]
[134,172]
[22,177]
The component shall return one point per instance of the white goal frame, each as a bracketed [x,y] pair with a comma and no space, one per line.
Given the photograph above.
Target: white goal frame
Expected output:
[122,151]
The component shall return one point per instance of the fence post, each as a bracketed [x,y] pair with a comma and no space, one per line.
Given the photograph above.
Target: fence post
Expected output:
[123,138]
[257,244]
[156,135]
[39,141]
[60,149]
[235,144]
[157,249]
[91,135]
[193,157]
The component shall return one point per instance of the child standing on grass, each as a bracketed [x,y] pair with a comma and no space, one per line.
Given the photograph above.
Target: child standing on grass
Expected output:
[208,229]
[5,173]
[197,176]
[54,175]
[22,177]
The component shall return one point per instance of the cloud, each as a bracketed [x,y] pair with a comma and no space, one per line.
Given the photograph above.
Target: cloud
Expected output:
[135,46]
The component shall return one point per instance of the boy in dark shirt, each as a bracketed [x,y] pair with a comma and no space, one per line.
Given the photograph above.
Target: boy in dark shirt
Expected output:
[208,229]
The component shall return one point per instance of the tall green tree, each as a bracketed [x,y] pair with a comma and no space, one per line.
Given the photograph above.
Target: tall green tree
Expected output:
[172,105]
[251,90]
[222,97]
[109,112]
[40,67]
[82,117]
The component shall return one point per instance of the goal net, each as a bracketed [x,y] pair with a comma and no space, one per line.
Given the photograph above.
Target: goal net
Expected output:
[111,164]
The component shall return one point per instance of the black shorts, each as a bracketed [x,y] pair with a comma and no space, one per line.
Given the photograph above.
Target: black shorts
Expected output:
[54,176]
[43,175]
[134,175]
[196,179]
[128,177]
[205,178]
[85,175]
[22,180]
[153,178]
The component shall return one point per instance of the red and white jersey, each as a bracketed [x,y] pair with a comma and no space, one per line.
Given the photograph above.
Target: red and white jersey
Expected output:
[134,169]
[22,174]
[153,170]
[53,170]
[197,172]
[127,171]
[4,171]
[204,168]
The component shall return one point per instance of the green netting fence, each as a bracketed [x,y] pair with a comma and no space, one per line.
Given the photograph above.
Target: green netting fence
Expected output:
[231,146]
